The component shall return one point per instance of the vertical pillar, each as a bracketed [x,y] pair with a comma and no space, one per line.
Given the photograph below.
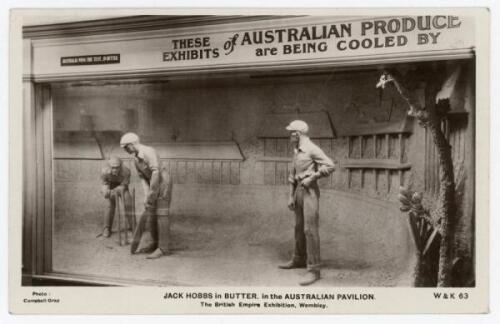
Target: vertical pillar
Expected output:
[29,178]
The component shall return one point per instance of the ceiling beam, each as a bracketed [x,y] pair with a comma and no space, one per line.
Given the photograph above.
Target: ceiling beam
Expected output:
[134,23]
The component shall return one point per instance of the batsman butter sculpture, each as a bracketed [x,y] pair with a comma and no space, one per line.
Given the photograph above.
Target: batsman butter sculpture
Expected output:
[152,233]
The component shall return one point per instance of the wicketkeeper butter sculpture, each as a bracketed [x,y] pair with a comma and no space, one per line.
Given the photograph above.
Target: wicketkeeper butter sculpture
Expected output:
[115,178]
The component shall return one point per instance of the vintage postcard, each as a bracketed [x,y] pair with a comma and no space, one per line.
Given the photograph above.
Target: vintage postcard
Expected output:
[249,161]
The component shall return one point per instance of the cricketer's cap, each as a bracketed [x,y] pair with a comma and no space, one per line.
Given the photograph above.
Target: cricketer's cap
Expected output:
[114,162]
[298,125]
[129,138]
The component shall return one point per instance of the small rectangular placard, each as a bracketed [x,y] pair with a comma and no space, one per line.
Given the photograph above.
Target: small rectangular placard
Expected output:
[90,59]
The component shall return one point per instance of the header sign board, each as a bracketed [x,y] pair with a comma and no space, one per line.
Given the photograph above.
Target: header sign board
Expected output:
[280,42]
[334,40]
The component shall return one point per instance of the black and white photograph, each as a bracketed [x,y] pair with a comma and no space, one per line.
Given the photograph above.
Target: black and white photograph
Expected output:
[302,153]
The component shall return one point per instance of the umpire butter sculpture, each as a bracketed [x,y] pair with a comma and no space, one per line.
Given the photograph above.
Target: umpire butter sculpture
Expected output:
[152,233]
[309,164]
